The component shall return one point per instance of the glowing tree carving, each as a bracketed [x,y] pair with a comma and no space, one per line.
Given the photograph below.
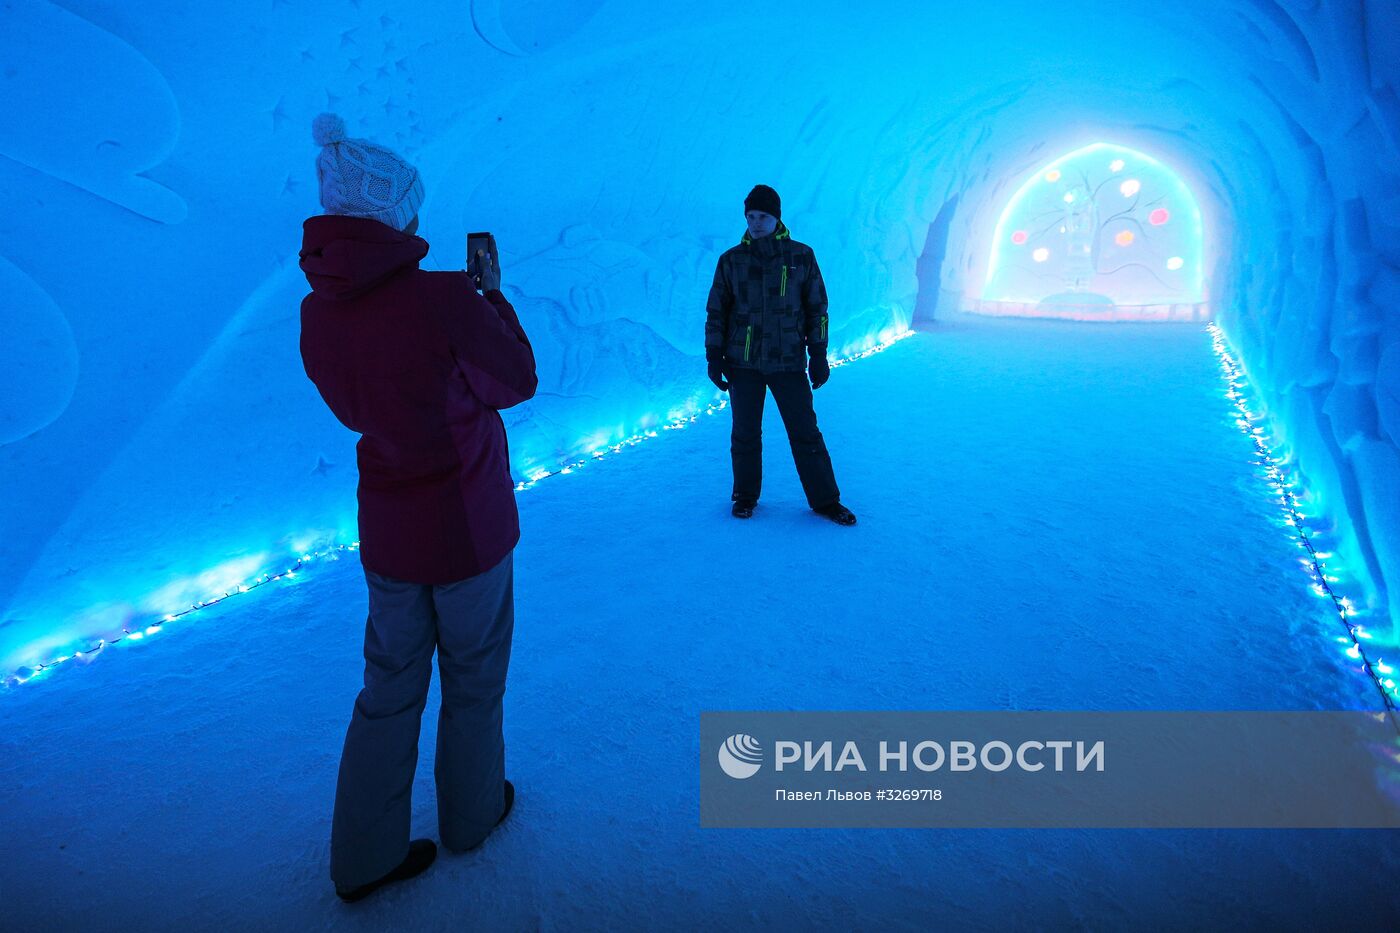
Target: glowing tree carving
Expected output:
[1103,225]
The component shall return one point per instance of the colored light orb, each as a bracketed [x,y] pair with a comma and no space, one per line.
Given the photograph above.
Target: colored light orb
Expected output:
[1018,237]
[1052,175]
[1116,165]
[1175,263]
[1158,217]
[1041,254]
[1130,187]
[1124,238]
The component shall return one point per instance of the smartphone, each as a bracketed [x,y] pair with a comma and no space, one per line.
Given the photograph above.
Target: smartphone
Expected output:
[483,242]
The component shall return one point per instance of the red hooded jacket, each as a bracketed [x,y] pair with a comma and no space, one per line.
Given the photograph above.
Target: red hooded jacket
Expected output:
[418,363]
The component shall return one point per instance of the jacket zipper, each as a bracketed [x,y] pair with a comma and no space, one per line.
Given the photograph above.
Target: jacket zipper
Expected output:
[748,339]
[782,289]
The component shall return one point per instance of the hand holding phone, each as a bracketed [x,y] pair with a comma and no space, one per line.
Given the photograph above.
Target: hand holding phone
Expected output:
[482,262]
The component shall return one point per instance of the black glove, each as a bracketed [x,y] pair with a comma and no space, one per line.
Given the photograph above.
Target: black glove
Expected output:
[717,370]
[819,369]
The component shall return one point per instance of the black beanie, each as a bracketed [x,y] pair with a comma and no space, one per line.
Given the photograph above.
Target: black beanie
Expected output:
[764,198]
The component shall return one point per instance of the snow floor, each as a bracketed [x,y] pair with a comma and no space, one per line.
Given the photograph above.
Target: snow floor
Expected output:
[1052,516]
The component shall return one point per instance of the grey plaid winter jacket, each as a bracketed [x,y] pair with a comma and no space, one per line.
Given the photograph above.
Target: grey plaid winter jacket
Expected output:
[767,306]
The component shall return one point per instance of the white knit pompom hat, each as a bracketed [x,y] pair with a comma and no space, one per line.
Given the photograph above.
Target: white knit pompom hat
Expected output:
[361,179]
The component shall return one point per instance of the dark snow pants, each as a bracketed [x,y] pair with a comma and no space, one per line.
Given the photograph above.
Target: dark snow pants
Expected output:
[470,623]
[793,394]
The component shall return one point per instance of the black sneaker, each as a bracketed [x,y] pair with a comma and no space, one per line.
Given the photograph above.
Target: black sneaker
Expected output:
[421,853]
[838,513]
[743,508]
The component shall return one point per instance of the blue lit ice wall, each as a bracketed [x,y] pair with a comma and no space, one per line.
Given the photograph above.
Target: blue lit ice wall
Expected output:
[156,165]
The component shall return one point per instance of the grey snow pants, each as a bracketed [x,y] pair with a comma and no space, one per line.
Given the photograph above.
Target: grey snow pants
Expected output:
[470,623]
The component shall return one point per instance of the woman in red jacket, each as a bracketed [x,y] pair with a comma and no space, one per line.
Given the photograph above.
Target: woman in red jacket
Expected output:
[419,364]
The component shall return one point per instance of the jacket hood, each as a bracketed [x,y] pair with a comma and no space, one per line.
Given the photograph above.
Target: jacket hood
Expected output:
[345,257]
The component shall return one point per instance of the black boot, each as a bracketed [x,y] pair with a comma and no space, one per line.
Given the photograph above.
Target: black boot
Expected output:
[510,802]
[743,508]
[838,513]
[421,853]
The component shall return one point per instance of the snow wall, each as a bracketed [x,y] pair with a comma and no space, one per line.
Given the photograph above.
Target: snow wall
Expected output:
[159,440]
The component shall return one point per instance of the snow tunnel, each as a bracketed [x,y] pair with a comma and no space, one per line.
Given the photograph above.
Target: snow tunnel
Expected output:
[1146,257]
[607,150]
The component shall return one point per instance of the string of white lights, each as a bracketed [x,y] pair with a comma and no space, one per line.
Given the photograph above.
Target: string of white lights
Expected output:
[603,452]
[1285,489]
[333,552]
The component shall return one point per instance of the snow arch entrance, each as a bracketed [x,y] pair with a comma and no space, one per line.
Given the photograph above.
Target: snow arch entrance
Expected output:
[1102,233]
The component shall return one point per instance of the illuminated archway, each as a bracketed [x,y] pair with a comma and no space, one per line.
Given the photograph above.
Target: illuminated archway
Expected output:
[1102,233]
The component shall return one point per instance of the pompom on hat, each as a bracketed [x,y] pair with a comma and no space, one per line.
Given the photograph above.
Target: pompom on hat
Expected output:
[361,179]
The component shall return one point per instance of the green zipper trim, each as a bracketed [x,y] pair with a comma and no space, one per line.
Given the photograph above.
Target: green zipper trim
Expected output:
[782,289]
[748,338]
[823,336]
